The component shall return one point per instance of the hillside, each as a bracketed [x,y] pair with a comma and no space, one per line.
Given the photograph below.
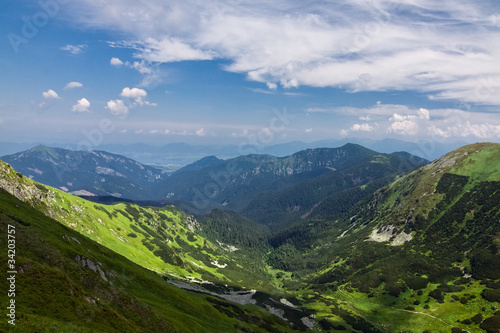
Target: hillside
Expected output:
[66,282]
[424,249]
[396,253]
[87,172]
[330,194]
[233,183]
[164,240]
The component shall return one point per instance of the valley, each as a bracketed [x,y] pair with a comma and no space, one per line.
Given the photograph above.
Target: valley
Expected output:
[325,240]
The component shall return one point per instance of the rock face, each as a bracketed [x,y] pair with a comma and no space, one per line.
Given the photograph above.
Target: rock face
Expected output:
[96,267]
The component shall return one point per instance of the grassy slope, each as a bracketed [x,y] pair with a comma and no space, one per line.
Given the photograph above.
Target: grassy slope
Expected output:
[55,293]
[164,240]
[450,208]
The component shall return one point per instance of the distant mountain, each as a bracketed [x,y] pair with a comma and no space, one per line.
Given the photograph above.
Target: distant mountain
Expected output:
[87,172]
[332,193]
[173,156]
[232,183]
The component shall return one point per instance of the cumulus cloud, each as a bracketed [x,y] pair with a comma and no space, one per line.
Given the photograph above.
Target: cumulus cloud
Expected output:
[74,49]
[362,128]
[133,92]
[272,86]
[403,127]
[139,95]
[82,105]
[466,129]
[201,132]
[72,85]
[117,107]
[116,62]
[50,94]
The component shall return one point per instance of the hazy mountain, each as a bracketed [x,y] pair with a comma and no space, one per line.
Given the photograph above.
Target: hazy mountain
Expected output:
[173,156]
[332,193]
[87,172]
[234,182]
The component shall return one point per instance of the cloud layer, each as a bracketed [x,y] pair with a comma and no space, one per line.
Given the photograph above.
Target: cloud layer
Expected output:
[444,49]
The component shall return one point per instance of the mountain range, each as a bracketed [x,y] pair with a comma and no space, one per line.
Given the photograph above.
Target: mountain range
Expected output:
[88,173]
[173,156]
[344,239]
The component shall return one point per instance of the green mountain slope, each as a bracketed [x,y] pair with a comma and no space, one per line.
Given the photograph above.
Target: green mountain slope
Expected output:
[164,240]
[320,196]
[66,282]
[231,184]
[87,172]
[421,253]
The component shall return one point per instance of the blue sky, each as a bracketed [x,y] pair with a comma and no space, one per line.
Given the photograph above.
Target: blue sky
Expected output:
[125,71]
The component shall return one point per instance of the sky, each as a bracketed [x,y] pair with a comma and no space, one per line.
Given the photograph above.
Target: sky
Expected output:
[92,72]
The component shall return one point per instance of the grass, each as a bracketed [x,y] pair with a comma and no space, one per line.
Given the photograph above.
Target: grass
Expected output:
[55,293]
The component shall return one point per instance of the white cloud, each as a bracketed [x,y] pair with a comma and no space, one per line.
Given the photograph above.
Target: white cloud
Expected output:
[272,86]
[1,121]
[141,67]
[466,129]
[361,128]
[308,130]
[171,49]
[74,49]
[423,114]
[133,93]
[50,94]
[403,127]
[138,95]
[82,105]
[116,62]
[117,107]
[293,83]
[73,84]
[201,132]
[443,49]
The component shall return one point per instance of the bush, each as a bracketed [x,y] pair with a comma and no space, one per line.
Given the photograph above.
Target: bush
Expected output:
[133,235]
[492,295]
[477,318]
[437,294]
[491,324]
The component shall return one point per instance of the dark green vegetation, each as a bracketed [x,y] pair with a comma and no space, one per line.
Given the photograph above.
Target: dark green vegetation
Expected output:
[245,183]
[363,248]
[87,172]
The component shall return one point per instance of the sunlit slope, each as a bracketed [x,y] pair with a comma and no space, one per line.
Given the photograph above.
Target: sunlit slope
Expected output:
[164,240]
[425,249]
[66,282]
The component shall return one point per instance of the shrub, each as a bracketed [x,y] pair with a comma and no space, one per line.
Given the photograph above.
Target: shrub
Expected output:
[491,324]
[492,295]
[477,318]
